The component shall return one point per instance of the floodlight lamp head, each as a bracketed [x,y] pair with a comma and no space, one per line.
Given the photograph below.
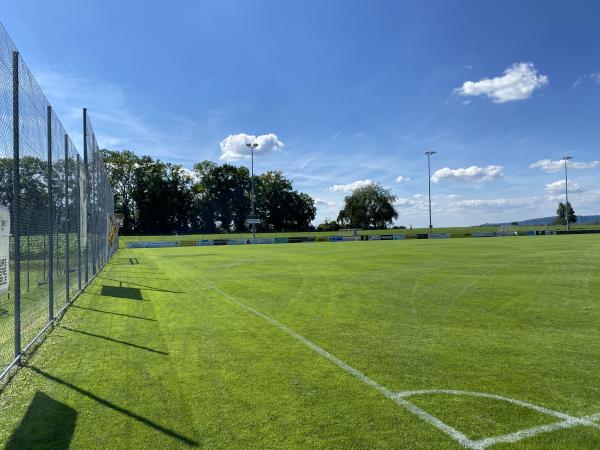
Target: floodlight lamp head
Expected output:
[566,158]
[430,152]
[252,145]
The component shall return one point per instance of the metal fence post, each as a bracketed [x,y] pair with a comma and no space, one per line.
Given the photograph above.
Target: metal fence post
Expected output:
[50,220]
[86,194]
[95,209]
[16,206]
[79,226]
[67,227]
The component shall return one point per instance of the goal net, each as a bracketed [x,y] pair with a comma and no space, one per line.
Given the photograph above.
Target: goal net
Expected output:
[349,232]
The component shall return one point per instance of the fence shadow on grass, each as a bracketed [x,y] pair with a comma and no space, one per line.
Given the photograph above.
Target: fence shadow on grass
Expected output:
[47,424]
[116,341]
[121,292]
[114,313]
[143,287]
[185,440]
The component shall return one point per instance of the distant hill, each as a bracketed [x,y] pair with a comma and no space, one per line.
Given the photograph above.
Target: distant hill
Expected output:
[581,220]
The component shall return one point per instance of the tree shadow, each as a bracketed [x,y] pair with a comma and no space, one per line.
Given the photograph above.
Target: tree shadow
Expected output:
[121,292]
[185,440]
[47,424]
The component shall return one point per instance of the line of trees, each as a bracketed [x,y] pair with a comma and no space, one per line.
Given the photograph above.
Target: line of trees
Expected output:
[159,198]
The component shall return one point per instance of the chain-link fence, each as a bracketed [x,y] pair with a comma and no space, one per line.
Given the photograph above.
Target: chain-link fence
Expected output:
[54,209]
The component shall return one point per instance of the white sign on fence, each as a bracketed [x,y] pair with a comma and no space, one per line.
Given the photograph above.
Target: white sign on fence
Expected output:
[4,248]
[253,221]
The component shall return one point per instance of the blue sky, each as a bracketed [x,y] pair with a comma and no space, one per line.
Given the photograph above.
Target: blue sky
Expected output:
[340,93]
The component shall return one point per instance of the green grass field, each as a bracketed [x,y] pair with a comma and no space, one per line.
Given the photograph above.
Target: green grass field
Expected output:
[477,343]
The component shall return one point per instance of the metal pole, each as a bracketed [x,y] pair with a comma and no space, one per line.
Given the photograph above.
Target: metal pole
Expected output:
[429,153]
[50,220]
[67,234]
[252,180]
[78,226]
[86,194]
[567,196]
[16,206]
[429,189]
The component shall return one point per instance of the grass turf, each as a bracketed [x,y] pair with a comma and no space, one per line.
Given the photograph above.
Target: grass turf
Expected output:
[159,354]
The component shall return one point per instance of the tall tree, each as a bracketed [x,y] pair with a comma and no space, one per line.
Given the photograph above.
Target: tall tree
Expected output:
[224,199]
[370,206]
[561,214]
[279,206]
[121,171]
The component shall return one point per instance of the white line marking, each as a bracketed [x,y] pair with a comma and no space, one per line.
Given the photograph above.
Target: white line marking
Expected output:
[530,432]
[400,397]
[567,422]
[452,432]
[537,408]
[593,417]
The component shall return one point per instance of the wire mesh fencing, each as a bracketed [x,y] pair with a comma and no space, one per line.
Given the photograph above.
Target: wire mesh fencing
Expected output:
[54,209]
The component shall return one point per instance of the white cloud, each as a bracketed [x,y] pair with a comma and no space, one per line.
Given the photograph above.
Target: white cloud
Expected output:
[234,148]
[470,174]
[321,202]
[518,83]
[402,179]
[400,201]
[350,186]
[550,166]
[559,186]
[498,202]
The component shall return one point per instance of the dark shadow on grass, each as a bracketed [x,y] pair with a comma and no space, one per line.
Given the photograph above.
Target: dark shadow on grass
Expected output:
[143,286]
[117,341]
[121,292]
[148,422]
[113,313]
[195,255]
[46,424]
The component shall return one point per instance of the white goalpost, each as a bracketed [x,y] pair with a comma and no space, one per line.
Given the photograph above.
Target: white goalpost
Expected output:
[350,234]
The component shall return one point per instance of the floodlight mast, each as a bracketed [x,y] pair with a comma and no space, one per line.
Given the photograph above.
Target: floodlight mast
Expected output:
[429,153]
[565,159]
[252,146]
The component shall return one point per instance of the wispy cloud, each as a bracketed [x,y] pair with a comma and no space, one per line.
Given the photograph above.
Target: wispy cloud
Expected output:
[559,186]
[321,202]
[593,77]
[116,124]
[517,83]
[336,134]
[402,202]
[350,186]
[551,166]
[469,174]
[402,179]
[495,203]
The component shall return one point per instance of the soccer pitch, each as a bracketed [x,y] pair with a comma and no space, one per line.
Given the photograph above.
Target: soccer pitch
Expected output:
[456,343]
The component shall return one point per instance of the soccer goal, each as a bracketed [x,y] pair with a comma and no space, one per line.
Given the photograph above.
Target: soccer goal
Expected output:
[350,234]
[507,230]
